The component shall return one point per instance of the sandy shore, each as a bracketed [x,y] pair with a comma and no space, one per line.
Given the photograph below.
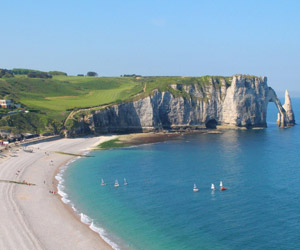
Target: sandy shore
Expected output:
[31,217]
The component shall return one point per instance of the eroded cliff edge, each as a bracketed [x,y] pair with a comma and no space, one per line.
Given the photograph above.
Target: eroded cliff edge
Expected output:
[242,103]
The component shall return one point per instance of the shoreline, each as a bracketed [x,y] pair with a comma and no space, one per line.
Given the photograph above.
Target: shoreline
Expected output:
[34,218]
[34,204]
[71,206]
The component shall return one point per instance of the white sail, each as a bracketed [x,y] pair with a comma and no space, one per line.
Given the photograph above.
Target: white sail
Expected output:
[125,182]
[221,184]
[212,186]
[102,182]
[116,183]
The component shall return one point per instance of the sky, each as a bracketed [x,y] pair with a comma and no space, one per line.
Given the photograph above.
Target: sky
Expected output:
[165,37]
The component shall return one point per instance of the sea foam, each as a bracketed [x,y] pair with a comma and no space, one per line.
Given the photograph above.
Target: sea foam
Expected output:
[83,217]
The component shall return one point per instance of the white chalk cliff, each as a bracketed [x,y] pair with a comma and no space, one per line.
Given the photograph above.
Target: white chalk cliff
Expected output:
[289,119]
[243,103]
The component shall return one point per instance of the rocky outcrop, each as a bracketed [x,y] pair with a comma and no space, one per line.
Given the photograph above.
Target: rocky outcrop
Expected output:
[243,103]
[289,119]
[246,102]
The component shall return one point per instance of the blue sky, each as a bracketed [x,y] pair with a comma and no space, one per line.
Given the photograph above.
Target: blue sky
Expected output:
[190,38]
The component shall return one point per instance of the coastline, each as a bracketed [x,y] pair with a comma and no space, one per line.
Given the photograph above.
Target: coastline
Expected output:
[34,218]
[43,216]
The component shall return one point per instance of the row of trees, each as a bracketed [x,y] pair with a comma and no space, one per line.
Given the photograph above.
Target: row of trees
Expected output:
[30,73]
[18,71]
[37,73]
[90,73]
[6,73]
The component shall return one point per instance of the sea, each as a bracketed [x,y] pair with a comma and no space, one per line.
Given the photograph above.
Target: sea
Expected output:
[159,210]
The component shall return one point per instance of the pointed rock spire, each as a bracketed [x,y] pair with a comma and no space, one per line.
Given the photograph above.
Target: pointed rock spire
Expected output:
[289,117]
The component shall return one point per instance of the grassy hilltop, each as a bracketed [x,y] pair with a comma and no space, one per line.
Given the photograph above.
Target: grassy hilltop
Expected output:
[51,100]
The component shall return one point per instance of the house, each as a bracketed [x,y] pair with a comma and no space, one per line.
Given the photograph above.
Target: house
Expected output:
[6,103]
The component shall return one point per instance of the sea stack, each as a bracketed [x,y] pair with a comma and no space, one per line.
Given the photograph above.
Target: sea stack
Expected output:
[289,113]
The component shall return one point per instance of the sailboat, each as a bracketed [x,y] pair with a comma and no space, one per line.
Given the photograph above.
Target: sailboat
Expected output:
[213,187]
[195,189]
[116,183]
[221,186]
[125,182]
[102,182]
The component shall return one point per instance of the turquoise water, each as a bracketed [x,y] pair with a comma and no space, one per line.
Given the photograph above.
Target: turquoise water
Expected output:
[159,210]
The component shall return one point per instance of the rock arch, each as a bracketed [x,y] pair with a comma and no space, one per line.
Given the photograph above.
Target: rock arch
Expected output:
[285,113]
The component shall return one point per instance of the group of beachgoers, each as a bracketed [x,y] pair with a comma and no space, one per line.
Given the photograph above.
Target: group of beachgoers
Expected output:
[27,183]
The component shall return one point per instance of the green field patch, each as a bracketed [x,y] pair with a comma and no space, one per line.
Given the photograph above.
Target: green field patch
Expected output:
[114,143]
[65,153]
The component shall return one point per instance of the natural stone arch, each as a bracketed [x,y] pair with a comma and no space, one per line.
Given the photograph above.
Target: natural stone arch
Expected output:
[285,112]
[272,97]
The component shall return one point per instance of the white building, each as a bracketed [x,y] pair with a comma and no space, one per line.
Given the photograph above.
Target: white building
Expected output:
[6,103]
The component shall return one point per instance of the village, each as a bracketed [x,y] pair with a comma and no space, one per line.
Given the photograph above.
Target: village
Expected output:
[5,135]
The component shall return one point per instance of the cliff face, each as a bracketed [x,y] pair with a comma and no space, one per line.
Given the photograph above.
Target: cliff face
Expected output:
[243,103]
[246,102]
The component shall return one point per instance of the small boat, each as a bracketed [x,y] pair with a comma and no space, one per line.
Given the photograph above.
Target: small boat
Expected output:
[221,186]
[125,182]
[116,183]
[195,189]
[102,183]
[213,187]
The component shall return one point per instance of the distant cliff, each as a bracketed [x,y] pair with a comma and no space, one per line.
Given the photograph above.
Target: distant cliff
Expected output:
[242,102]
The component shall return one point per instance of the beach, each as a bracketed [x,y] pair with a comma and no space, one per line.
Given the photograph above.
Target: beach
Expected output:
[33,216]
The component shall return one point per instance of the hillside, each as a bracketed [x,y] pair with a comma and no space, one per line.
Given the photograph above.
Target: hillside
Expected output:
[51,100]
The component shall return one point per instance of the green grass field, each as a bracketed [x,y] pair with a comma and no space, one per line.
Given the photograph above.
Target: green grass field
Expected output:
[55,97]
[114,143]
[86,96]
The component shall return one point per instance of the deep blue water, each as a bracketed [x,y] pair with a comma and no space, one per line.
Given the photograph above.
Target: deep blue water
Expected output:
[159,210]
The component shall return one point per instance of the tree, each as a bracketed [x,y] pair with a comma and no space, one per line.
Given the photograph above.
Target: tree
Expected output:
[91,73]
[6,73]
[38,75]
[57,73]
[24,71]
